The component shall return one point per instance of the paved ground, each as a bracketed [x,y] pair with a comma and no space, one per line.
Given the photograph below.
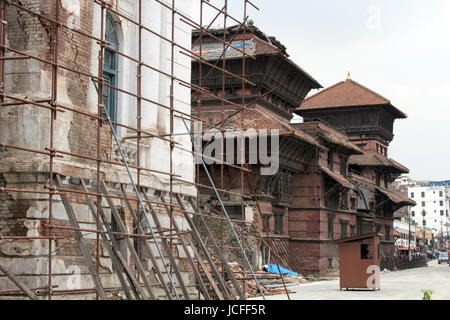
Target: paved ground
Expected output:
[398,285]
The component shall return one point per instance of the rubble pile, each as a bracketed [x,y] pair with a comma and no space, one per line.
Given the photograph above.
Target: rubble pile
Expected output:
[271,284]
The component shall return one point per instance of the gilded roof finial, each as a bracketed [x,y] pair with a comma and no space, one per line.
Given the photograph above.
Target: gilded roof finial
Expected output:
[348,76]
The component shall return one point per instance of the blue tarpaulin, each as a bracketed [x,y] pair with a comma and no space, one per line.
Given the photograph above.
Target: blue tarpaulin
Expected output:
[272,268]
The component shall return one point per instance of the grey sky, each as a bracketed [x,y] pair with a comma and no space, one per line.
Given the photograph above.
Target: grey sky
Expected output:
[398,48]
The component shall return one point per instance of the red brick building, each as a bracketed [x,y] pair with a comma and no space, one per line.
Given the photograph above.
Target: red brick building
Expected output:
[279,87]
[324,207]
[332,182]
[367,119]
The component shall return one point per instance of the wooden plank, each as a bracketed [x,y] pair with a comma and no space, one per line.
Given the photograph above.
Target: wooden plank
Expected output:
[111,250]
[19,283]
[167,249]
[196,236]
[146,246]
[219,253]
[136,285]
[79,238]
[130,274]
[202,264]
[128,241]
[190,260]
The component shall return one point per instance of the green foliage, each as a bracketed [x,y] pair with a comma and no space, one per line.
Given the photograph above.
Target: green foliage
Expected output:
[250,22]
[427,294]
[3,148]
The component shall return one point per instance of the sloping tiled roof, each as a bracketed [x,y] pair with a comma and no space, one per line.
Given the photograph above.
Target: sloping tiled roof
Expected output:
[236,29]
[376,160]
[285,128]
[213,50]
[258,118]
[260,44]
[346,94]
[397,197]
[399,165]
[338,178]
[339,141]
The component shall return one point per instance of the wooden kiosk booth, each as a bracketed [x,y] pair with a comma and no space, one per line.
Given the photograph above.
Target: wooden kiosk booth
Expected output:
[359,262]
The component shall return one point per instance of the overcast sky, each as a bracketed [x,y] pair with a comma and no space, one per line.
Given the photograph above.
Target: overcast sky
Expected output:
[398,48]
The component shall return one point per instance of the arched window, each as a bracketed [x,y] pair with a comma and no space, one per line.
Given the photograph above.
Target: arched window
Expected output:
[110,67]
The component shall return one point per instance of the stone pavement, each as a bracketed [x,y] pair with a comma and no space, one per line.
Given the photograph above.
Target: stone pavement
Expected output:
[397,285]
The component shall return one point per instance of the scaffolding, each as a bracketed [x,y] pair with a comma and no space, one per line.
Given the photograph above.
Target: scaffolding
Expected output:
[213,277]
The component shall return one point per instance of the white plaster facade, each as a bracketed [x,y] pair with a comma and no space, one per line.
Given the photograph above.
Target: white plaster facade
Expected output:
[29,126]
[435,200]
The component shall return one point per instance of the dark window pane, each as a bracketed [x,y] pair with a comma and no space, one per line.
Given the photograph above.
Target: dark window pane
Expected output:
[366,251]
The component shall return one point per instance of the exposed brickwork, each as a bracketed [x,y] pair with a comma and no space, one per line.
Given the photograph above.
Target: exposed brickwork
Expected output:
[28,214]
[83,138]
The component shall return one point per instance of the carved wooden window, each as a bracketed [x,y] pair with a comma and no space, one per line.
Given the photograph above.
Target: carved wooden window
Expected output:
[267,223]
[330,160]
[330,226]
[388,232]
[344,225]
[278,224]
[344,199]
[377,227]
[343,166]
[353,203]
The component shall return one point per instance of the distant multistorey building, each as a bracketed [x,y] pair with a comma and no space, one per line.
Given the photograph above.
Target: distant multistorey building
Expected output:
[433,205]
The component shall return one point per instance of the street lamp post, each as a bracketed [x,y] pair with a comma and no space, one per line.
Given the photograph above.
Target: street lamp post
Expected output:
[447,237]
[409,236]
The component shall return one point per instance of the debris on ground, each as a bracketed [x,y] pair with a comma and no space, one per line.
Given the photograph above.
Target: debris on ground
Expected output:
[270,283]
